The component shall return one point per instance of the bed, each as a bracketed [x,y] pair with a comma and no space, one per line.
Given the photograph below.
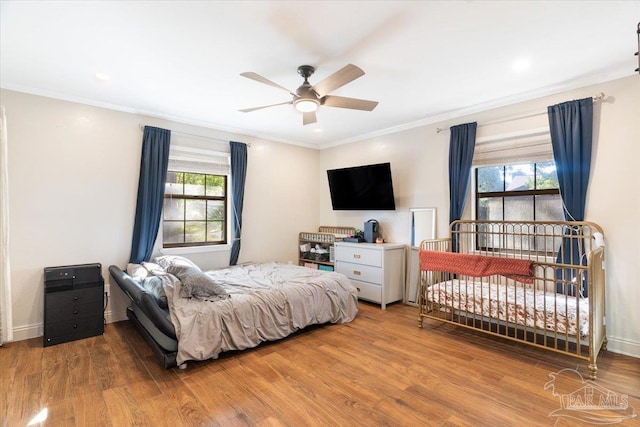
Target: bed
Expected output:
[186,314]
[537,282]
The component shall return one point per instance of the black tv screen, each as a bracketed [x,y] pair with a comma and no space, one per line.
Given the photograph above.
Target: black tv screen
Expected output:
[362,188]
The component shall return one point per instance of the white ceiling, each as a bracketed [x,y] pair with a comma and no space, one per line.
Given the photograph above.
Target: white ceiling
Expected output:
[424,61]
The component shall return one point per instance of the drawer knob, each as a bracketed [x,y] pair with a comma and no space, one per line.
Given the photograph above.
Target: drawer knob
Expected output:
[75,311]
[356,256]
[75,326]
[358,289]
[356,272]
[75,298]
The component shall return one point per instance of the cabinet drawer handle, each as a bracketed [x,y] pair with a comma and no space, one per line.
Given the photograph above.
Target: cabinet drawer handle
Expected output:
[356,272]
[75,311]
[75,326]
[75,298]
[358,289]
[357,256]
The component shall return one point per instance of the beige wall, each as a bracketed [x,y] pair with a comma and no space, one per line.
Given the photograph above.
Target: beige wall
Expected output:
[73,176]
[73,173]
[419,163]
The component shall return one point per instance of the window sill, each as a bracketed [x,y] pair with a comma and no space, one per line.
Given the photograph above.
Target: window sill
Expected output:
[195,249]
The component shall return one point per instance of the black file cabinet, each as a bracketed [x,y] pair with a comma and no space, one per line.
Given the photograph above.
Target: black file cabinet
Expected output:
[73,303]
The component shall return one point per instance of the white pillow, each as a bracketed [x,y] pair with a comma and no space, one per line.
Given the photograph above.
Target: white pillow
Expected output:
[137,272]
[153,268]
[156,270]
[180,261]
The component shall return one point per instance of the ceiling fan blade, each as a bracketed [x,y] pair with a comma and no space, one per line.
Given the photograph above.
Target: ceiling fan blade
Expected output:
[308,118]
[259,78]
[248,110]
[351,103]
[338,79]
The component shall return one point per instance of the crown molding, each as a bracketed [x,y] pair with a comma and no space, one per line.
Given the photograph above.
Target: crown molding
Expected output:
[485,106]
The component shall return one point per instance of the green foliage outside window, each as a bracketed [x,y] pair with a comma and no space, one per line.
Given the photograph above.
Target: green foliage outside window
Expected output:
[195,209]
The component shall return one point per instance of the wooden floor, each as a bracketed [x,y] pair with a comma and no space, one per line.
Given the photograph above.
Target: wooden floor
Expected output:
[381,369]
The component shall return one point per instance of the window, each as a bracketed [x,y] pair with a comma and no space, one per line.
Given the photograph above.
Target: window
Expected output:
[195,209]
[517,192]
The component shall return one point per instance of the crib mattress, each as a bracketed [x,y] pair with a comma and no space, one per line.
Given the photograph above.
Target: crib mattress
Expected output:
[521,305]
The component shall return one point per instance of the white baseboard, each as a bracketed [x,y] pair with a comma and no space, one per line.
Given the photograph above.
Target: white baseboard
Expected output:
[27,332]
[623,346]
[115,316]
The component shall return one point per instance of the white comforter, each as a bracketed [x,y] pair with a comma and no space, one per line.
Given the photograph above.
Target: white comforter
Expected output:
[267,302]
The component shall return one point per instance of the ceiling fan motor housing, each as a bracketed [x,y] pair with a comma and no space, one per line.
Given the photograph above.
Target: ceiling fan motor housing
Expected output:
[306,71]
[308,98]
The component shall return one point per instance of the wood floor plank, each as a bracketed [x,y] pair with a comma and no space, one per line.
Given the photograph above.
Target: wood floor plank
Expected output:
[81,370]
[24,398]
[89,407]
[109,374]
[124,409]
[380,369]
[55,387]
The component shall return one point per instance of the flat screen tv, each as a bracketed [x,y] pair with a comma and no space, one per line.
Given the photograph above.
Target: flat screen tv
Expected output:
[363,188]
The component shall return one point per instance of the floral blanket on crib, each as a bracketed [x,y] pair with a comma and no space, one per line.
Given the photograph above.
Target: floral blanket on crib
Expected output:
[524,306]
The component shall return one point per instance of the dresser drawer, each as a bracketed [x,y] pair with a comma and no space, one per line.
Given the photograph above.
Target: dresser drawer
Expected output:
[69,330]
[368,291]
[59,312]
[65,305]
[75,296]
[75,326]
[359,255]
[360,272]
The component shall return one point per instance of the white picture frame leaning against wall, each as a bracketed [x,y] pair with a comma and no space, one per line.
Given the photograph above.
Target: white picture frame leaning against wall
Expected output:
[423,227]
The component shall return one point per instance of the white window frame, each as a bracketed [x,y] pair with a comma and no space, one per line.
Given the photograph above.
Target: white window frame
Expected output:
[203,161]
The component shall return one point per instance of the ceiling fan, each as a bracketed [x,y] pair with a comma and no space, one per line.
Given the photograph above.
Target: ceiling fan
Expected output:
[308,98]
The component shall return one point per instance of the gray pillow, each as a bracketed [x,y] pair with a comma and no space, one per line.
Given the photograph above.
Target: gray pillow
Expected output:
[196,284]
[153,285]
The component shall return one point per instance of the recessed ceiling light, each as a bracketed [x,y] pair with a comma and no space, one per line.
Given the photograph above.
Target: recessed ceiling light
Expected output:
[103,77]
[521,64]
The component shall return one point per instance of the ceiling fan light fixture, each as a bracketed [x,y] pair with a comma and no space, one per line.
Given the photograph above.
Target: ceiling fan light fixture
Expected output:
[306,105]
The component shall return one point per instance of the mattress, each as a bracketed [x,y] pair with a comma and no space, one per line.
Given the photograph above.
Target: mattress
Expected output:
[267,302]
[521,305]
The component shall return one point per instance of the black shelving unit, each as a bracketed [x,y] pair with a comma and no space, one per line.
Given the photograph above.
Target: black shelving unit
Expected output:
[73,303]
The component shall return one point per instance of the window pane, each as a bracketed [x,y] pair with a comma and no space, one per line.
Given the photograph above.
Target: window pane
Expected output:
[490,208]
[173,209]
[519,177]
[489,235]
[215,185]
[518,208]
[194,220]
[513,237]
[215,231]
[173,232]
[174,183]
[549,208]
[194,184]
[195,231]
[490,179]
[546,176]
[215,210]
[196,210]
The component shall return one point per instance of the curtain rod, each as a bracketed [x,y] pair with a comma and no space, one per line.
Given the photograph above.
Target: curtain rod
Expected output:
[141,126]
[598,97]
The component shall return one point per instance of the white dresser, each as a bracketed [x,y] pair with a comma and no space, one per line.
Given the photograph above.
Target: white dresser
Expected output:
[376,270]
